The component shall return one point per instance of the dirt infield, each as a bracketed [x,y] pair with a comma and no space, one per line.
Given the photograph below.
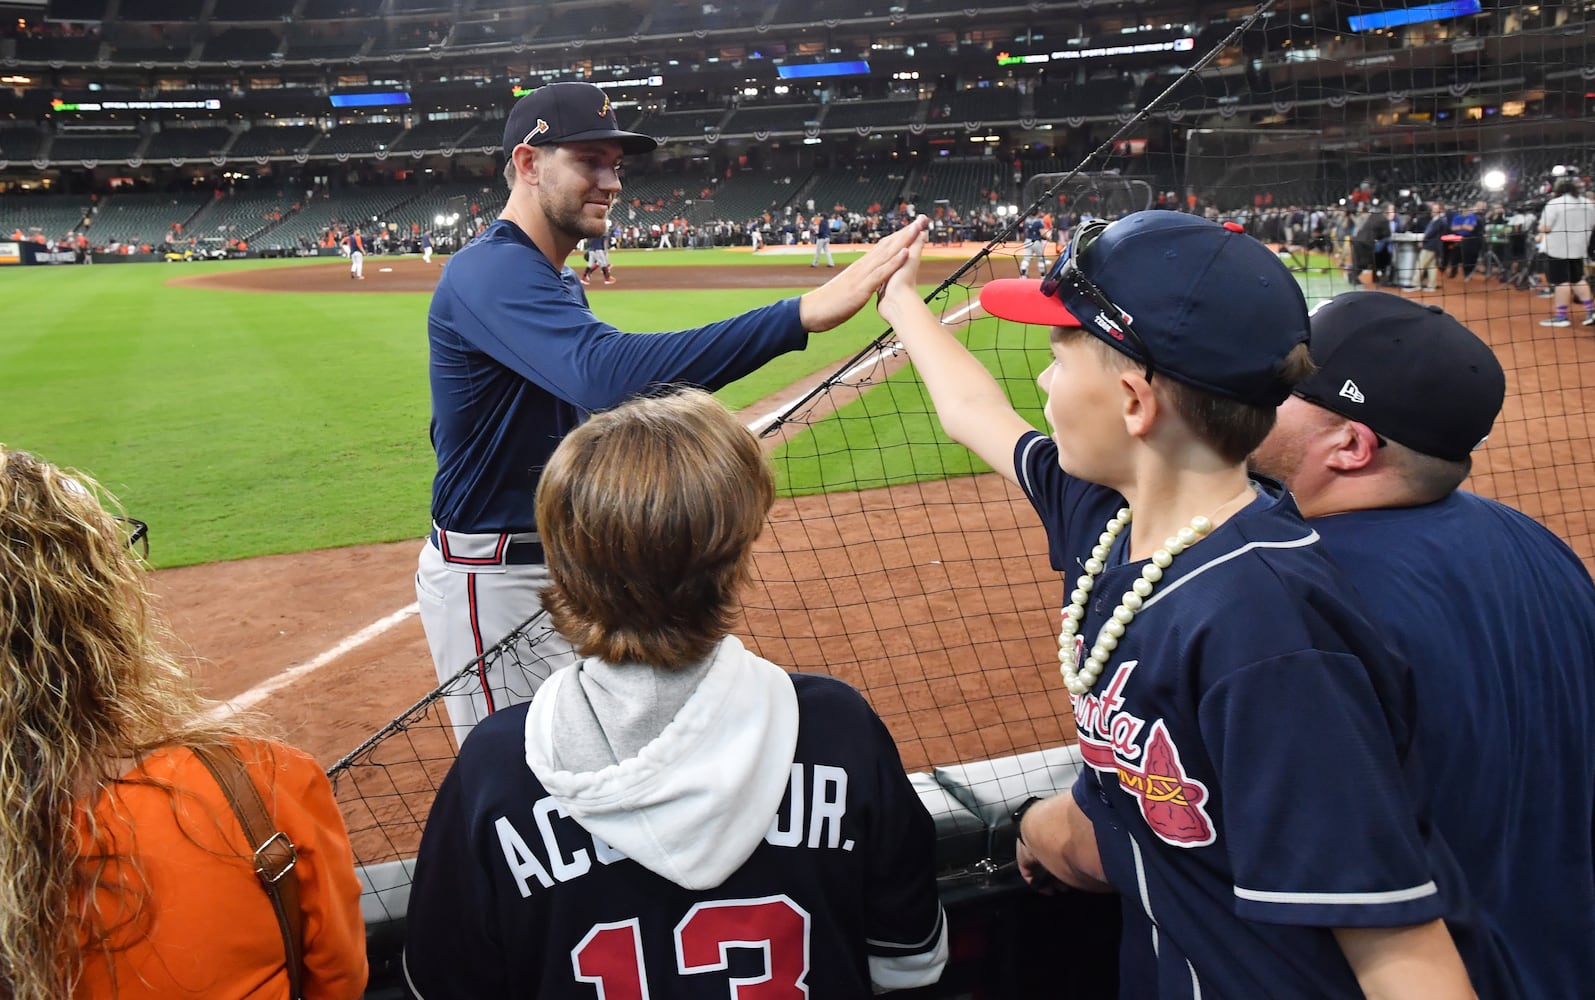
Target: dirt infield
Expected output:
[247,622]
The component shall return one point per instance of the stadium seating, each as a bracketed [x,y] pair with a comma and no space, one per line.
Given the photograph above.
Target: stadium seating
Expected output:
[747,195]
[237,43]
[144,217]
[872,115]
[188,143]
[166,11]
[274,140]
[240,216]
[984,105]
[356,140]
[856,188]
[324,41]
[353,207]
[80,146]
[54,215]
[252,10]
[780,118]
[455,134]
[164,43]
[964,183]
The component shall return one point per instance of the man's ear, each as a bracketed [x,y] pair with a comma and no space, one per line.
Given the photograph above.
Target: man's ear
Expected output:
[1354,448]
[526,161]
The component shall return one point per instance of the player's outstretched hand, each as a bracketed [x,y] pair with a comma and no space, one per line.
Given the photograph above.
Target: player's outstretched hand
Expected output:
[899,298]
[836,301]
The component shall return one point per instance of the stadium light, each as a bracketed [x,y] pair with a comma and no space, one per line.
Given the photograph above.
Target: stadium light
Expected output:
[437,219]
[1494,180]
[1558,171]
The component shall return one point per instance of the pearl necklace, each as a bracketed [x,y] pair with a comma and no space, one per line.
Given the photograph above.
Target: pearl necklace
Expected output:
[1080,681]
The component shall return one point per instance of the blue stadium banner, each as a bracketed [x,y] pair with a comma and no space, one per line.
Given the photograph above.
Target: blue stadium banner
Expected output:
[856,67]
[1414,15]
[370,100]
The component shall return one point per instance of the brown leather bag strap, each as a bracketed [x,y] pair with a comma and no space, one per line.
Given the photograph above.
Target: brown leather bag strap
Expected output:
[274,854]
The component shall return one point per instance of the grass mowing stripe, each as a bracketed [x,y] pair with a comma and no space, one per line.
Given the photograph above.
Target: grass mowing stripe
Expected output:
[889,435]
[242,424]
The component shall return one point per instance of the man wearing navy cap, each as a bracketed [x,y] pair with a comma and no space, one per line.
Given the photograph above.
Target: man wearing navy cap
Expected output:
[1495,614]
[1245,730]
[517,359]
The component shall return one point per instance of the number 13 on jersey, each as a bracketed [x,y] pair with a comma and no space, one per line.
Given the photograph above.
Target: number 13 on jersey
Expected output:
[610,956]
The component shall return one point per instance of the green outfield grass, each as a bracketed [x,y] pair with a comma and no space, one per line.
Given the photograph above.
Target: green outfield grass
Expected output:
[240,424]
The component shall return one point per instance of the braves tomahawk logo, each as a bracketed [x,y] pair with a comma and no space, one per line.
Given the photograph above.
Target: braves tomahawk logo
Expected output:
[537,130]
[603,112]
[1172,803]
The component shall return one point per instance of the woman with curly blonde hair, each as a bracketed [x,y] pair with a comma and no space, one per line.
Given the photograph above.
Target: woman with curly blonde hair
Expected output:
[123,870]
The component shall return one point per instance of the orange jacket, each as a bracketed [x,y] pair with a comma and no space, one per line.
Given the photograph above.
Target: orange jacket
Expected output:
[209,929]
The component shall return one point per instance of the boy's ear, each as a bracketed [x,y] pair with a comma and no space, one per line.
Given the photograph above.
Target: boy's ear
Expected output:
[1140,402]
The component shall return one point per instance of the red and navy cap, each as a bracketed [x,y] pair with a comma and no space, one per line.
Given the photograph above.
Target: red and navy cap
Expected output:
[1408,370]
[569,112]
[1217,309]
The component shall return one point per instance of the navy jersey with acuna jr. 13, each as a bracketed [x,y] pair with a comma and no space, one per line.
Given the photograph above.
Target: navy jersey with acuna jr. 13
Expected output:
[832,896]
[1250,779]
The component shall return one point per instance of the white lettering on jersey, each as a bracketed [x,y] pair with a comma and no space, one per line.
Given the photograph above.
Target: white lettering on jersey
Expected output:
[828,810]
[790,835]
[819,796]
[564,870]
[523,864]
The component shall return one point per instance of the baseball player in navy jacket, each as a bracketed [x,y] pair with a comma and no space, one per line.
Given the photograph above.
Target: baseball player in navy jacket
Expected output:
[518,360]
[1246,730]
[672,815]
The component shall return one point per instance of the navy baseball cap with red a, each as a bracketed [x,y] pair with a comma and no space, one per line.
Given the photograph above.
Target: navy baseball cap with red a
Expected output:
[569,112]
[1213,307]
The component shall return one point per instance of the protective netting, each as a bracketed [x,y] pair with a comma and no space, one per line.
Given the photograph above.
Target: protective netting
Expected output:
[901,564]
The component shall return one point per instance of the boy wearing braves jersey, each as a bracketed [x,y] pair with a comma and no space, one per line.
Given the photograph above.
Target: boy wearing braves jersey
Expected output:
[1245,731]
[704,819]
[517,360]
[1495,613]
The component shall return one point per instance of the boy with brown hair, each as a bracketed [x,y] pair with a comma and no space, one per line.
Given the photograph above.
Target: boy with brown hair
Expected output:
[1244,729]
[671,815]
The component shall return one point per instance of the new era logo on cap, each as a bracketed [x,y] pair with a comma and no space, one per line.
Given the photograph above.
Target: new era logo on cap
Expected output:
[1351,392]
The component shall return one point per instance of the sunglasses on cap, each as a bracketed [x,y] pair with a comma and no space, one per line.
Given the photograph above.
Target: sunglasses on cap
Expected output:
[1065,276]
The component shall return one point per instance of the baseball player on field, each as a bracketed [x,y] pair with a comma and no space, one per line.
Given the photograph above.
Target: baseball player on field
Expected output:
[518,360]
[1246,732]
[598,259]
[357,255]
[822,242]
[1373,446]
[426,247]
[1035,232]
[671,810]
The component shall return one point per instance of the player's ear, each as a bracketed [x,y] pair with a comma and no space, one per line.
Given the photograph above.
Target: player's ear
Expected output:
[525,158]
[1353,447]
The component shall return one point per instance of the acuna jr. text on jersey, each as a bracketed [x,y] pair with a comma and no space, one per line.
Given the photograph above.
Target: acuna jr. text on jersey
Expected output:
[810,816]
